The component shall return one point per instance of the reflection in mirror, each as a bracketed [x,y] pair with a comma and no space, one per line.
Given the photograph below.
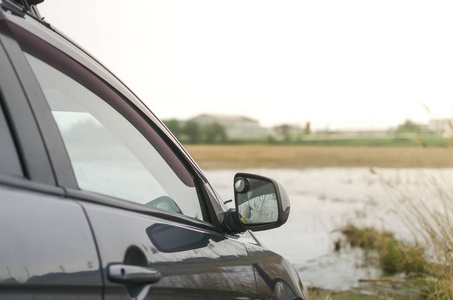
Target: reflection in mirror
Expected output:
[257,203]
[241,185]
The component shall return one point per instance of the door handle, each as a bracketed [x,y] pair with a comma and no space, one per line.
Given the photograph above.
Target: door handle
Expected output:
[121,273]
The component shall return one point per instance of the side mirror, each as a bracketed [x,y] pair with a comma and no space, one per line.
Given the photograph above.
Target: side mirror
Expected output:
[261,203]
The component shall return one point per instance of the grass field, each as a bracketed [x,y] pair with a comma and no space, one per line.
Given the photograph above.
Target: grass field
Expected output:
[267,156]
[319,294]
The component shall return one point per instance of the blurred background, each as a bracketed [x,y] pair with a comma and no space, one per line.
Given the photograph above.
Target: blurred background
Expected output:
[339,65]
[347,103]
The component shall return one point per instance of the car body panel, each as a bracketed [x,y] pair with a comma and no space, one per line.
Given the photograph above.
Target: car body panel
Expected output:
[275,276]
[47,248]
[194,263]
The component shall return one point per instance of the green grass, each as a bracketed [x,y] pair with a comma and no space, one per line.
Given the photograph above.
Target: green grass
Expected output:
[415,140]
[430,217]
[394,256]
[368,142]
[320,294]
[430,280]
[379,142]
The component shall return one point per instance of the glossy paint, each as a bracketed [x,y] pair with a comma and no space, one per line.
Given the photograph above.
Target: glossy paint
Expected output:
[47,249]
[194,263]
[276,278]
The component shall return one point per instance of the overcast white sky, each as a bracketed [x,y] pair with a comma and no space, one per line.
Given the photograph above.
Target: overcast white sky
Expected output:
[342,64]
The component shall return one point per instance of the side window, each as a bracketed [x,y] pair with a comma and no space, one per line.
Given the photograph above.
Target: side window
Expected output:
[108,154]
[9,160]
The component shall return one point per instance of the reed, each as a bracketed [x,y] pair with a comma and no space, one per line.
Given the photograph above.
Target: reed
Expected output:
[429,215]
[393,256]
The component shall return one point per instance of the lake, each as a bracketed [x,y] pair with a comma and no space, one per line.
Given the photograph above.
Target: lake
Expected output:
[323,200]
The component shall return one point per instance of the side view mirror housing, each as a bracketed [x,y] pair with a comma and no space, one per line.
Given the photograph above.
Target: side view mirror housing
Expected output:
[261,203]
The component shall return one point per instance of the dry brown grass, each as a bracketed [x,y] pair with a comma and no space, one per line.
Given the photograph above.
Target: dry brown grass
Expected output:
[233,156]
[429,215]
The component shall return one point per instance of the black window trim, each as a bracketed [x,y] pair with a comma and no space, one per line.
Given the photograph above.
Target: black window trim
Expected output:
[60,158]
[107,200]
[10,162]
[23,183]
[47,53]
[27,136]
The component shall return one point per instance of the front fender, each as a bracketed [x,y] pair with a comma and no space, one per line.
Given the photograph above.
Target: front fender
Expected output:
[276,277]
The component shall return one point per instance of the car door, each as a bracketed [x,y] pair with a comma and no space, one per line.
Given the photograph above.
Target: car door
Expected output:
[149,212]
[47,248]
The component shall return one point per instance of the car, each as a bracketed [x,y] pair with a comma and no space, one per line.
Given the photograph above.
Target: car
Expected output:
[98,200]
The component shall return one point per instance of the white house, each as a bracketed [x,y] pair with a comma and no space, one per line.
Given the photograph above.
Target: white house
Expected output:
[441,126]
[236,126]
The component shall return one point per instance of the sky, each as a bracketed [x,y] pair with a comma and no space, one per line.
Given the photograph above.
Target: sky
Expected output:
[339,65]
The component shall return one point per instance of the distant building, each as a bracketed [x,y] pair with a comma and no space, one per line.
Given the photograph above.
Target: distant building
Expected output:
[237,127]
[285,131]
[441,126]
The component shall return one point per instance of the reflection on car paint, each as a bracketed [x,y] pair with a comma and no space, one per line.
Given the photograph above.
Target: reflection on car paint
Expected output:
[45,242]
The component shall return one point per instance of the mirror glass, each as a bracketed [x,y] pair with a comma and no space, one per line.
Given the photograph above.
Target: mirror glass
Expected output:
[256,201]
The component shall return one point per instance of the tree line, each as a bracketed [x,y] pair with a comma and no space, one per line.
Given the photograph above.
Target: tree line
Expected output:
[407,133]
[192,132]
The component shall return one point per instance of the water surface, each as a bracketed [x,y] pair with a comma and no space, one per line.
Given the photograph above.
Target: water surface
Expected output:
[323,200]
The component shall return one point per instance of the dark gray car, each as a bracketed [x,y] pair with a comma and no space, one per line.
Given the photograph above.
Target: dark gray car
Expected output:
[99,200]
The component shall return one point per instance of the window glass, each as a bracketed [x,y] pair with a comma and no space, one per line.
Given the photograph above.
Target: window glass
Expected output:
[108,154]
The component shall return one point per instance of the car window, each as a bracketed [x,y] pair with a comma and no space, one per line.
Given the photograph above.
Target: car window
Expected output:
[108,154]
[9,160]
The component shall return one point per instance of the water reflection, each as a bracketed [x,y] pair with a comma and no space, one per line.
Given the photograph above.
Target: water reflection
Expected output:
[90,278]
[338,270]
